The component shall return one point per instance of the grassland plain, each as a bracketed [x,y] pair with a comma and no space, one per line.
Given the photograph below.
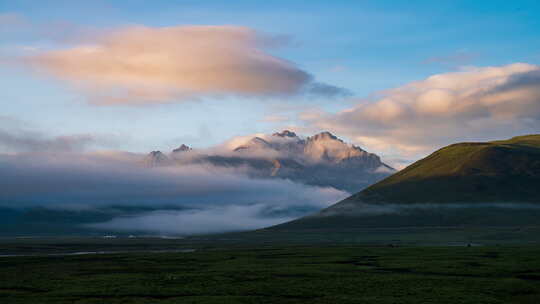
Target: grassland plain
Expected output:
[280,274]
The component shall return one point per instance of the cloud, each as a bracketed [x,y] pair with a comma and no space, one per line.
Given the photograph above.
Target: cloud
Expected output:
[476,103]
[141,65]
[36,142]
[119,178]
[328,91]
[174,199]
[196,221]
[15,136]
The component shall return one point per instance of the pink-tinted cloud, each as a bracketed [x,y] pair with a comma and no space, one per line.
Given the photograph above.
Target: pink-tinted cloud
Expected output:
[471,104]
[139,64]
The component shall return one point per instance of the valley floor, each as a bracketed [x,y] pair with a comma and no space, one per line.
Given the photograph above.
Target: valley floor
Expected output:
[280,274]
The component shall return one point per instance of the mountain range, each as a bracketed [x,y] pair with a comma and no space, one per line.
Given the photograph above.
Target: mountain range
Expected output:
[480,185]
[475,183]
[320,160]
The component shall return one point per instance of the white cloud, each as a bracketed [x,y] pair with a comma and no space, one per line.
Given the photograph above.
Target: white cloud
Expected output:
[140,64]
[196,221]
[476,103]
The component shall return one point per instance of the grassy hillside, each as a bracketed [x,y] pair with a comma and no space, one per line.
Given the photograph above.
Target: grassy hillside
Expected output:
[450,188]
[498,171]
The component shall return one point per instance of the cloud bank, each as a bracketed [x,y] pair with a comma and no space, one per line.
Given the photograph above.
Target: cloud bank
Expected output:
[18,136]
[141,65]
[197,221]
[476,103]
[36,142]
[176,199]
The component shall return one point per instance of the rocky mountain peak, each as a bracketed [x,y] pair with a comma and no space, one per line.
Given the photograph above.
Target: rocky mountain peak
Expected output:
[285,133]
[155,158]
[327,147]
[182,148]
[321,160]
[254,143]
[157,154]
[324,136]
[324,146]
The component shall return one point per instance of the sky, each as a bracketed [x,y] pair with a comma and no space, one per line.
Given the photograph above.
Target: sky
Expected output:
[358,48]
[89,87]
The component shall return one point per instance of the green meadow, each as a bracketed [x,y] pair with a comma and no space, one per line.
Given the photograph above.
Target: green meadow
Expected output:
[280,274]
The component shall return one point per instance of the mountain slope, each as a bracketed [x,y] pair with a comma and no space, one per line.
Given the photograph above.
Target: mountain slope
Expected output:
[320,160]
[498,171]
[481,184]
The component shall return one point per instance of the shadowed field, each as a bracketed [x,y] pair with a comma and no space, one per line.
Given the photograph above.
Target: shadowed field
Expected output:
[286,274]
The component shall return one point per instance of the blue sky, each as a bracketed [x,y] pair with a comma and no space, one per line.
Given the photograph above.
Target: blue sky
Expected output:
[363,46]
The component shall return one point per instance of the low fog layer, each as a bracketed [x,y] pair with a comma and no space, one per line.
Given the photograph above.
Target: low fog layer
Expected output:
[177,199]
[199,221]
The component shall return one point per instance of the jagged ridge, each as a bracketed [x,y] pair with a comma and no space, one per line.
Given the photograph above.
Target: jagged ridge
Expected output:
[321,160]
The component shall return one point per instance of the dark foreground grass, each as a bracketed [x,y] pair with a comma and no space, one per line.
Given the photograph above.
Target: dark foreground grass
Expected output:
[289,274]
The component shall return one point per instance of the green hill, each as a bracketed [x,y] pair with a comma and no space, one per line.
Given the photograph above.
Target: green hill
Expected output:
[483,184]
[497,171]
